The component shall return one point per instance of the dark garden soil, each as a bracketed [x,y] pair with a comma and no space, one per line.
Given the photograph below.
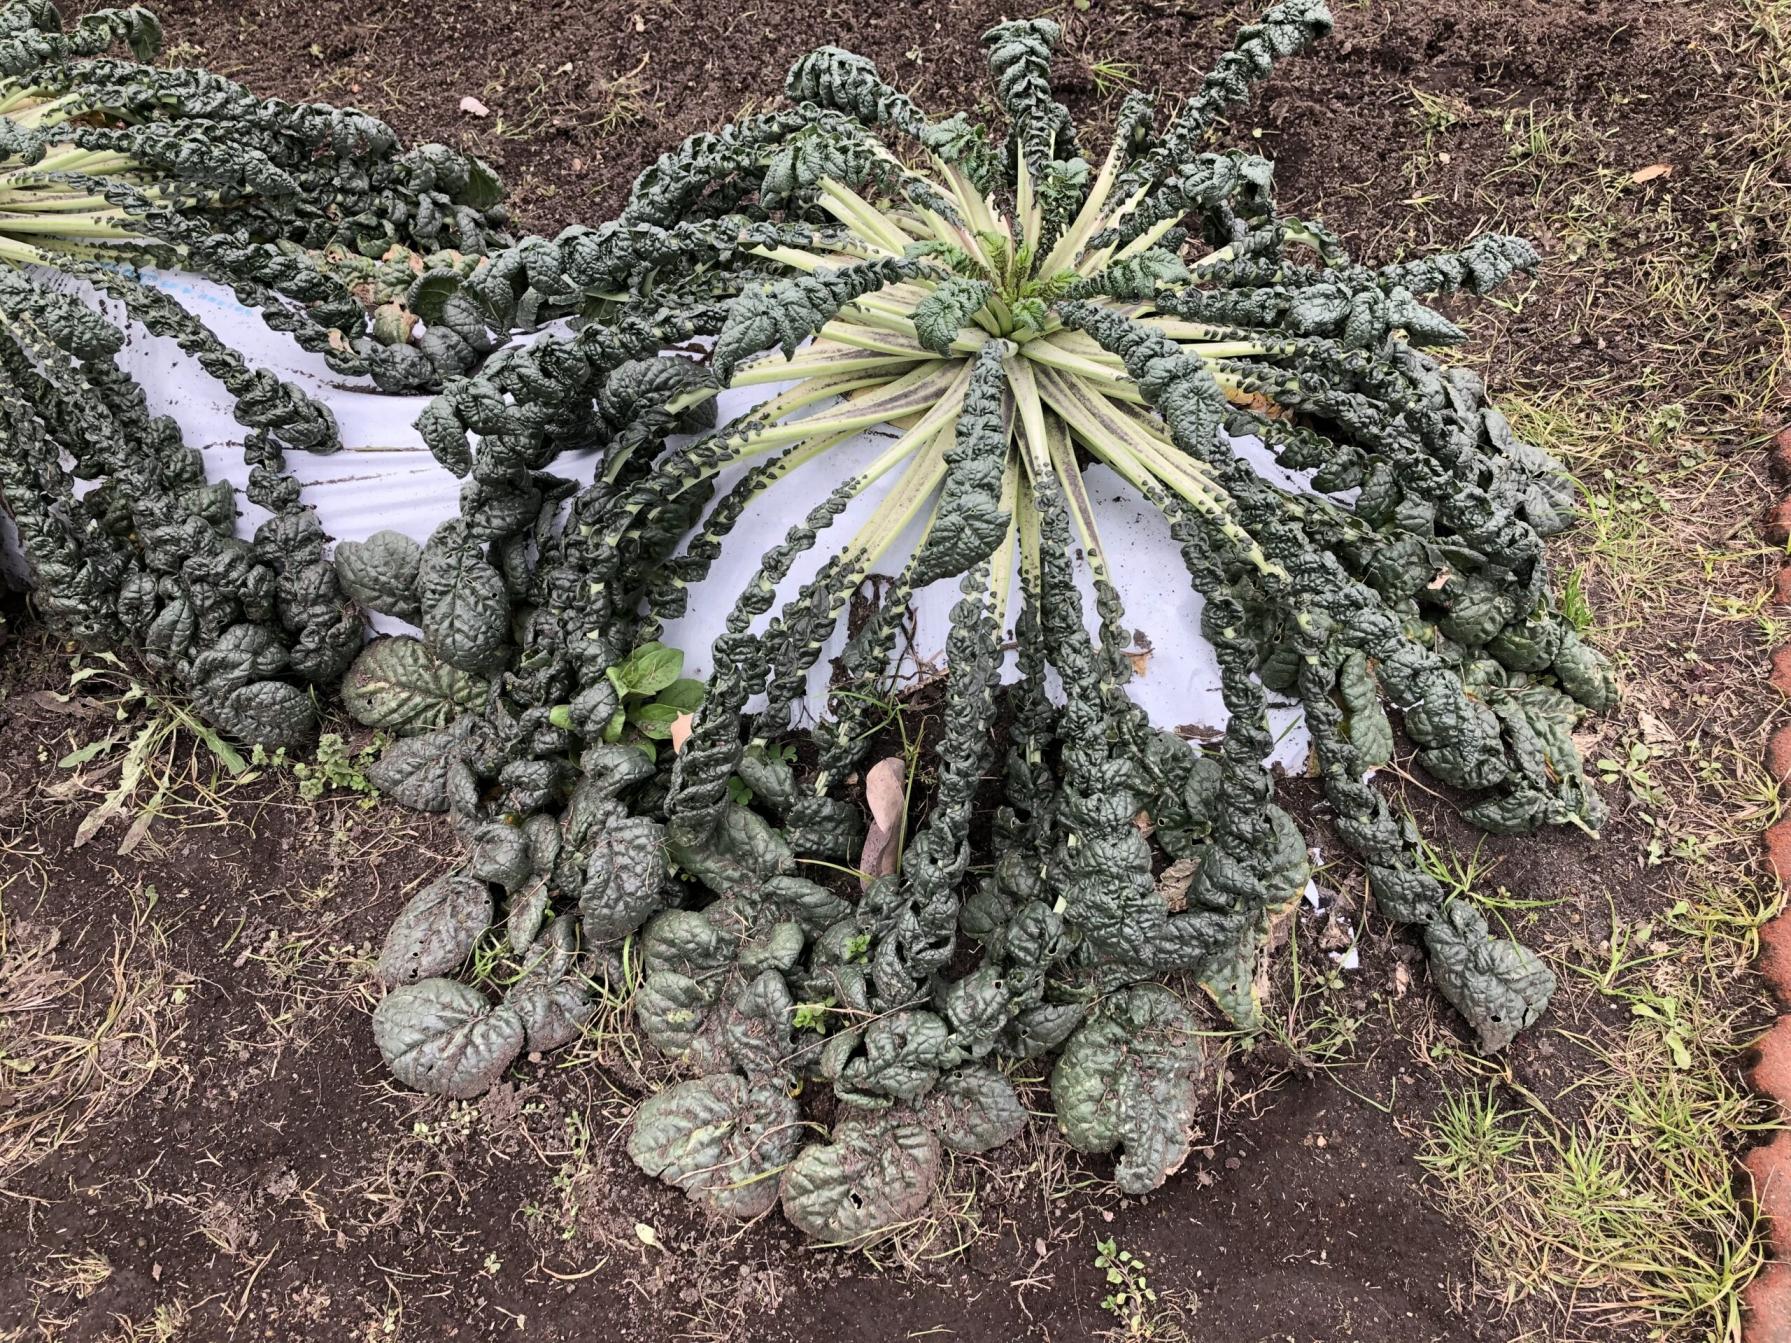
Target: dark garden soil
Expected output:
[226,1142]
[208,1147]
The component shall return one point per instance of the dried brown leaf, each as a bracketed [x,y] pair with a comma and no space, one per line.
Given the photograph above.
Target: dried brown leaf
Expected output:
[885,796]
[1172,886]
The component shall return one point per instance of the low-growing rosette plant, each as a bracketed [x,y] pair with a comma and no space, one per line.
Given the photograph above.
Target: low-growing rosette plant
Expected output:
[1018,310]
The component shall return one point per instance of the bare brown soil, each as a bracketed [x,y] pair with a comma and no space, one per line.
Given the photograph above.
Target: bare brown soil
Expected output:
[215,1153]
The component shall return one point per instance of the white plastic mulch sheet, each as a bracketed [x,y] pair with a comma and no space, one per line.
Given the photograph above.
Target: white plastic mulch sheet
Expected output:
[384,478]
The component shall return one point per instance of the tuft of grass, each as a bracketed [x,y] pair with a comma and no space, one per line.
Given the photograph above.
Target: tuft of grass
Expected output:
[1604,1183]
[1628,1213]
[1112,76]
[75,1049]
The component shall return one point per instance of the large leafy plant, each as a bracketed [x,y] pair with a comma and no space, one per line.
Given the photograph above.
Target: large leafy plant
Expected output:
[109,167]
[1018,312]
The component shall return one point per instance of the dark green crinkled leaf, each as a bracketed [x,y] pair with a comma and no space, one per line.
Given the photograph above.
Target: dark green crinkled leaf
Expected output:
[944,313]
[400,685]
[1496,984]
[413,771]
[465,605]
[1129,1080]
[720,1139]
[435,930]
[973,1109]
[875,1175]
[670,1008]
[624,879]
[903,1055]
[381,573]
[550,997]
[442,1037]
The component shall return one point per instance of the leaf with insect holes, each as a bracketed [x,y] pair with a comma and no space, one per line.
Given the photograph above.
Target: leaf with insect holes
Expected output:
[973,1109]
[401,685]
[1128,1079]
[435,930]
[1497,985]
[873,1175]
[444,1038]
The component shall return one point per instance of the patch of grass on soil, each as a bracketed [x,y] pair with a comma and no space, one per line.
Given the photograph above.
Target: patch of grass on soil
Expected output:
[1609,1189]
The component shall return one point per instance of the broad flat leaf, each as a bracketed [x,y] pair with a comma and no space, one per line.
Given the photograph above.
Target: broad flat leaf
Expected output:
[648,670]
[876,1174]
[381,573]
[719,1139]
[655,720]
[400,685]
[435,931]
[685,694]
[1128,1079]
[444,1038]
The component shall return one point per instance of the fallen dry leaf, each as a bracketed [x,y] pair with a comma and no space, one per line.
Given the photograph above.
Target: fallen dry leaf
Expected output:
[1652,171]
[1172,886]
[679,731]
[1654,731]
[74,705]
[885,787]
[473,107]
[1140,663]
